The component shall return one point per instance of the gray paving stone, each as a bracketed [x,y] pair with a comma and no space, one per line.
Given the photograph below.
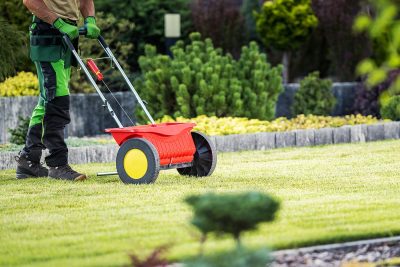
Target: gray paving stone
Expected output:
[392,130]
[286,139]
[265,141]
[3,133]
[358,134]
[76,155]
[375,132]
[225,143]
[245,142]
[342,135]
[7,160]
[305,138]
[323,136]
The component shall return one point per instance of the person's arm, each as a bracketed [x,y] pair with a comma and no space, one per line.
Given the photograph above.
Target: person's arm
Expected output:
[87,11]
[87,8]
[40,10]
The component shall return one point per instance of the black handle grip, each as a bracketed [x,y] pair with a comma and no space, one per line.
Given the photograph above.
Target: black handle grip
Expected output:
[82,31]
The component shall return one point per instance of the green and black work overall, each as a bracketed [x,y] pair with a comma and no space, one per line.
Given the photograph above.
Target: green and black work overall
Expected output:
[53,62]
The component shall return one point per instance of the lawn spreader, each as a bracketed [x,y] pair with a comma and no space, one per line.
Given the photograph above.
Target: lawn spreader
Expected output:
[147,149]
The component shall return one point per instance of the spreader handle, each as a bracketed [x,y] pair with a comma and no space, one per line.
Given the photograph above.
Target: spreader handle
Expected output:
[114,59]
[85,69]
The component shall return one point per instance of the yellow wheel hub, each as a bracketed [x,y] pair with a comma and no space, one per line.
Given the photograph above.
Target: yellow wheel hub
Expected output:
[135,163]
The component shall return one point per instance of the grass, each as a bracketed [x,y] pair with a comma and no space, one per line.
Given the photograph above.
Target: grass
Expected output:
[328,194]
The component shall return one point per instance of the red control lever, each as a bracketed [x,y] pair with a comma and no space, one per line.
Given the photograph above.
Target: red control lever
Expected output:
[93,67]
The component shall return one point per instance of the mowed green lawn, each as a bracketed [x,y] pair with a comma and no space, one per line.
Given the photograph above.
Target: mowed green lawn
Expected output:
[328,194]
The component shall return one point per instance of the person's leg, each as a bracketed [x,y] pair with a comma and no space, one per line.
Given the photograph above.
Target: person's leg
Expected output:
[56,118]
[56,115]
[34,145]
[28,161]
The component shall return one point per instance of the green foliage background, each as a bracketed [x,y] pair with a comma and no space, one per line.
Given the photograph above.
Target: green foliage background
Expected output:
[385,25]
[12,49]
[14,25]
[148,17]
[111,28]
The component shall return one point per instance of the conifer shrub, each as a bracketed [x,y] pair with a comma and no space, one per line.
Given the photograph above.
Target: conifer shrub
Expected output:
[314,96]
[18,134]
[231,213]
[201,80]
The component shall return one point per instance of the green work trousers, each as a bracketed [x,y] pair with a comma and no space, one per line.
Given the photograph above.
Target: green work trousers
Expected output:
[49,118]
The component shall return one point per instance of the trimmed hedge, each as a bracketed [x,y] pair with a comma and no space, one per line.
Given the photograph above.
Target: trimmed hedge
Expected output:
[227,126]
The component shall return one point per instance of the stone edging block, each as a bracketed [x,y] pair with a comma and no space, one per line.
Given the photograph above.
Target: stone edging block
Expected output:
[324,137]
[285,139]
[305,138]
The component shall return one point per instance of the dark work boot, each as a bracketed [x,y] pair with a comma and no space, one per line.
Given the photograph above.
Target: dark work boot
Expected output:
[29,169]
[66,173]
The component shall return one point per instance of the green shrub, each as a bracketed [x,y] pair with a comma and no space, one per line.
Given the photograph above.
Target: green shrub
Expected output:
[231,213]
[391,110]
[314,96]
[18,135]
[236,258]
[13,49]
[24,84]
[285,25]
[200,79]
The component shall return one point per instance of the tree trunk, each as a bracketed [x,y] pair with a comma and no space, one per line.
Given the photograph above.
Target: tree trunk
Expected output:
[238,241]
[286,65]
[203,240]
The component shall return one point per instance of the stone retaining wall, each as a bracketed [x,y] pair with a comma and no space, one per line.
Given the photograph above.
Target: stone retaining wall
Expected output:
[243,142]
[89,118]
[344,93]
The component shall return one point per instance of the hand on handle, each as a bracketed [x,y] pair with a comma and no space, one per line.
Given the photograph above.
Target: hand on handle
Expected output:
[70,30]
[92,31]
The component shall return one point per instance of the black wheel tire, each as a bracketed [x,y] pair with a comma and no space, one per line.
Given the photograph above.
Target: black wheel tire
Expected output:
[205,157]
[150,153]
